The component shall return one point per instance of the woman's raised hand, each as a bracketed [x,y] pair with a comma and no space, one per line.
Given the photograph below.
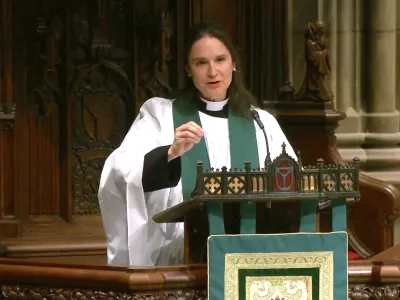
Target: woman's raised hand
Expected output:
[185,137]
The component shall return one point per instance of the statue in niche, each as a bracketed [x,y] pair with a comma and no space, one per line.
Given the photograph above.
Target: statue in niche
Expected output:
[315,85]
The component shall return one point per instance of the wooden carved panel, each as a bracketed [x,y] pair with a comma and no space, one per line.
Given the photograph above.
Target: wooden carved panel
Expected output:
[73,72]
[100,101]
[78,71]
[44,31]
[154,27]
[98,126]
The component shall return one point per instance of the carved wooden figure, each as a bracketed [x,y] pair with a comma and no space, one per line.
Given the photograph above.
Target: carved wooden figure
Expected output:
[315,85]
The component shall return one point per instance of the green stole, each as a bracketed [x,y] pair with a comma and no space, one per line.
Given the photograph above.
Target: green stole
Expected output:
[243,147]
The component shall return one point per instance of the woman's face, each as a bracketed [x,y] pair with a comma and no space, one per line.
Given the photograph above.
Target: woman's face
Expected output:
[210,65]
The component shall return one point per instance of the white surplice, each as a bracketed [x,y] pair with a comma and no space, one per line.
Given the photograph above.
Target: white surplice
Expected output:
[133,238]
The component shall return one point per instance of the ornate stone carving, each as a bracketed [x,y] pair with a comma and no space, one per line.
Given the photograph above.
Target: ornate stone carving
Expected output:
[101,101]
[21,293]
[357,292]
[362,292]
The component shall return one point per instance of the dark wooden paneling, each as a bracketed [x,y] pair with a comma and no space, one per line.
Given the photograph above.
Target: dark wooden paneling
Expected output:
[8,207]
[7,169]
[225,13]
[44,167]
[155,29]
[81,71]
[9,226]
[100,97]
[6,57]
[21,121]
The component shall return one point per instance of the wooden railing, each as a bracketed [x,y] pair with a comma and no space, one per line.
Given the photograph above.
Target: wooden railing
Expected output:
[61,252]
[22,279]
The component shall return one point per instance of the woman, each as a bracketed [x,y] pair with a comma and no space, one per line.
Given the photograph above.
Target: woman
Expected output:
[154,167]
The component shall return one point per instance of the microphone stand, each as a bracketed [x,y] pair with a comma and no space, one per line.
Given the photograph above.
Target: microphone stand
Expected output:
[256,117]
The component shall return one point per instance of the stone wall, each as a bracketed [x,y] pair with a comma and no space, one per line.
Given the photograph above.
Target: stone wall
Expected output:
[362,37]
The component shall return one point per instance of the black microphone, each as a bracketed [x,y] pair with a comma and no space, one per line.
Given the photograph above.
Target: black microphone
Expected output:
[256,117]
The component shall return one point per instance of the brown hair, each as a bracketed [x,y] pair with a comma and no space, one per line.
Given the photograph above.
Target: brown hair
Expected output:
[240,98]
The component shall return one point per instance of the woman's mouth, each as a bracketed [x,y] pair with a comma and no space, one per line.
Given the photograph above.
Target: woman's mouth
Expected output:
[213,84]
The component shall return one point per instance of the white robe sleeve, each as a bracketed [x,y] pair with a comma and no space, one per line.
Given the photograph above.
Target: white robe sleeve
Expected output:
[133,238]
[112,200]
[275,135]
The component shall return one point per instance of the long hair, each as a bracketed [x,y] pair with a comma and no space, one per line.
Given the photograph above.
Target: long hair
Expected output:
[240,99]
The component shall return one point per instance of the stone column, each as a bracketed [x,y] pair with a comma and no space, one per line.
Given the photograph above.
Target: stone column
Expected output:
[345,55]
[372,121]
[365,78]
[381,125]
[380,71]
[348,62]
[398,56]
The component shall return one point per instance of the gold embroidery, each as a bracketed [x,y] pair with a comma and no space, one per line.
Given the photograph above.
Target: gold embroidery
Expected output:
[279,287]
[237,261]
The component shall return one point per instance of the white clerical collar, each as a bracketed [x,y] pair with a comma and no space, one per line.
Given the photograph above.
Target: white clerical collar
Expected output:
[214,105]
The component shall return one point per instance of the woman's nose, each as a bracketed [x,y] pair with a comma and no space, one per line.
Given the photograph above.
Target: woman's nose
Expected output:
[212,72]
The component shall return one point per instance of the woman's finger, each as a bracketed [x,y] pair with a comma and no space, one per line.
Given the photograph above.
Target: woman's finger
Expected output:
[187,135]
[189,127]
